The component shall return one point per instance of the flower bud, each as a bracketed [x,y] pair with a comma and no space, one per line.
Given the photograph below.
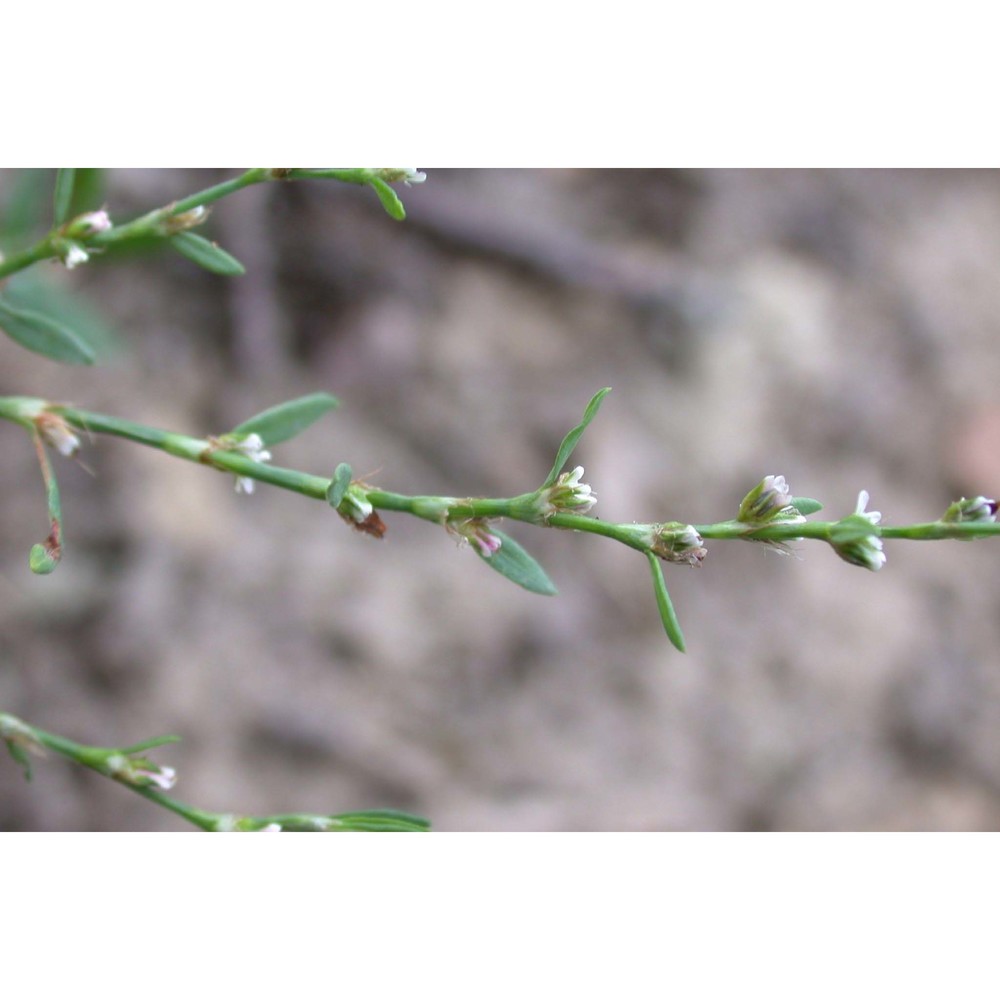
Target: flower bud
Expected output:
[852,538]
[769,500]
[408,175]
[477,531]
[976,509]
[140,772]
[185,220]
[678,543]
[251,445]
[355,506]
[87,225]
[56,433]
[73,255]
[567,495]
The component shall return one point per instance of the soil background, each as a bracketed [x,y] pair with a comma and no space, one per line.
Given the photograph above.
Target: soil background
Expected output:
[841,328]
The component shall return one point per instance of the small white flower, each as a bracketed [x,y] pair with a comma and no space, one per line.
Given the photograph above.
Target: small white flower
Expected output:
[580,497]
[566,495]
[270,828]
[253,447]
[865,551]
[74,256]
[769,500]
[140,772]
[872,515]
[91,223]
[874,557]
[408,175]
[164,778]
[356,506]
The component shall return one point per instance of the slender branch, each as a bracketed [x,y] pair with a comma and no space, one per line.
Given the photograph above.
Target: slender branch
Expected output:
[148,779]
[440,509]
[170,219]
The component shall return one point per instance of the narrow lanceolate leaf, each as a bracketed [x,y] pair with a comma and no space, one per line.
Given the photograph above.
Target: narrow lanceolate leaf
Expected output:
[571,439]
[206,254]
[32,290]
[44,335]
[45,556]
[156,741]
[806,505]
[20,755]
[285,420]
[663,602]
[338,485]
[389,198]
[513,562]
[63,198]
[382,821]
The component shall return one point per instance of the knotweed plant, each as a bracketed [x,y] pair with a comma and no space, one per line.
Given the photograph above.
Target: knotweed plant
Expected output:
[770,513]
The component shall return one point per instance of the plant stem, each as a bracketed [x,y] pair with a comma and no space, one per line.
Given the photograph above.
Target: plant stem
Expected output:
[439,509]
[152,223]
[27,738]
[149,223]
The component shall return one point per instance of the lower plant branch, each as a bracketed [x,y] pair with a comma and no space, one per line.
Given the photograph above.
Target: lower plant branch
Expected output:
[128,767]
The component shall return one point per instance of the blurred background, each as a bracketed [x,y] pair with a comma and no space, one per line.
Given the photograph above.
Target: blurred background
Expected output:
[839,328]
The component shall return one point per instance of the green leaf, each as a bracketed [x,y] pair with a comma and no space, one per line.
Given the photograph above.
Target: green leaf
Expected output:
[806,505]
[851,529]
[206,254]
[28,195]
[382,821]
[21,756]
[663,602]
[44,335]
[389,198]
[40,560]
[31,290]
[338,485]
[571,439]
[513,562]
[156,741]
[63,198]
[285,420]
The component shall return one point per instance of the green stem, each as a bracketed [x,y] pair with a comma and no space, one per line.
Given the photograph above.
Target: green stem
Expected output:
[786,532]
[94,758]
[439,509]
[42,250]
[151,224]
[934,530]
[30,738]
[197,817]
